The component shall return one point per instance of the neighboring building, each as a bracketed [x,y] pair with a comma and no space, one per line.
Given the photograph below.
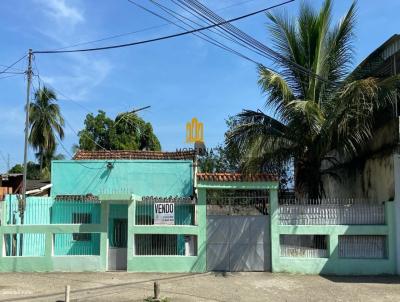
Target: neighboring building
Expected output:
[11,183]
[375,175]
[372,174]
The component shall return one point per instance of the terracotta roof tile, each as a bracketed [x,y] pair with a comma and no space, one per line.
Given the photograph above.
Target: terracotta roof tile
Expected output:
[236,177]
[130,154]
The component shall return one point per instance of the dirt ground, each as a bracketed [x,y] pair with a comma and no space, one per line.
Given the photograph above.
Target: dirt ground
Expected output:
[120,286]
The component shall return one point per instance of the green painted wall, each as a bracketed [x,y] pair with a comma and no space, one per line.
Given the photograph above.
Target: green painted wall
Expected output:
[333,264]
[141,177]
[169,263]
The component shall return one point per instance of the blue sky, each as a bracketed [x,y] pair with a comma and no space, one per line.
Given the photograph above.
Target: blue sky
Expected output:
[180,78]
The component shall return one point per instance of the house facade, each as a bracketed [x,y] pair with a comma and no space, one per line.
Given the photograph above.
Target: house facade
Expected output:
[143,211]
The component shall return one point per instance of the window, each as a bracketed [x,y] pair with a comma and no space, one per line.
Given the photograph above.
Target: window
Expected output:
[306,246]
[81,218]
[165,245]
[362,246]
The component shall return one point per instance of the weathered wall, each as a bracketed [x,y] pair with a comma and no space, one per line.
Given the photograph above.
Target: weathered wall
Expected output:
[141,177]
[373,179]
[370,176]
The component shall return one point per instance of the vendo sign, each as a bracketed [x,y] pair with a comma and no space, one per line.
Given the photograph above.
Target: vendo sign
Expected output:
[164,213]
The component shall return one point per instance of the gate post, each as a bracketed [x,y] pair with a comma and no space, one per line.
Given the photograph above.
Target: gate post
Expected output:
[202,229]
[274,221]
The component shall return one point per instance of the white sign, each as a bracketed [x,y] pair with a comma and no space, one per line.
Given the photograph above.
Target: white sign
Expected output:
[164,213]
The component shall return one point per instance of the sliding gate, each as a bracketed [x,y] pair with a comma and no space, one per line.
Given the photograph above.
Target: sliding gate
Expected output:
[238,234]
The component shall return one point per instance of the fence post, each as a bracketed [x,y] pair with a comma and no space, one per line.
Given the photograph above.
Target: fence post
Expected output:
[202,230]
[131,224]
[274,221]
[104,208]
[391,236]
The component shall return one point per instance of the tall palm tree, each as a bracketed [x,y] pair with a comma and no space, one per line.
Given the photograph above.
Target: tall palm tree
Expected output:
[314,113]
[46,122]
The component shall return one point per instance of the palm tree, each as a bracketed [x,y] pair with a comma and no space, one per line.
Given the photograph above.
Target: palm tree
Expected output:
[46,122]
[314,113]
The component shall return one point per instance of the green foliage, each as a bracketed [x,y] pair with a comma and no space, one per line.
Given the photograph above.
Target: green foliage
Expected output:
[127,132]
[46,122]
[33,171]
[312,116]
[17,169]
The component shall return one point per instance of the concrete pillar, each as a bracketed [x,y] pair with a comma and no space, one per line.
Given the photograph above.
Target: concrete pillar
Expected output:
[274,221]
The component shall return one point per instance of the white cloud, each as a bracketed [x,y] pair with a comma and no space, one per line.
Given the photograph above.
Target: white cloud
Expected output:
[61,11]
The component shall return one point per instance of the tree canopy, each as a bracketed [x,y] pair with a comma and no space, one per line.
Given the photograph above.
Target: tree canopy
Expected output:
[317,106]
[127,131]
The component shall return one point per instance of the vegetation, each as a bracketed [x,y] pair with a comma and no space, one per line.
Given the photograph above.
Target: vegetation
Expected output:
[46,122]
[314,113]
[127,132]
[224,159]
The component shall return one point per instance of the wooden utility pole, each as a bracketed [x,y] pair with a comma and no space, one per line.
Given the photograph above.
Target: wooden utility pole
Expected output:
[28,91]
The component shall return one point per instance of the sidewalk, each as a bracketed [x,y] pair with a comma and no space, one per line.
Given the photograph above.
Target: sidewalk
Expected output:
[196,287]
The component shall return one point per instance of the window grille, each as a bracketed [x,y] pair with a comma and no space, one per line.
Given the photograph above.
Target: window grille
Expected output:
[362,246]
[165,245]
[306,246]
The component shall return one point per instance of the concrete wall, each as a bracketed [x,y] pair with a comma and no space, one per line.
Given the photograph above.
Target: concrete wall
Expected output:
[141,177]
[371,175]
[373,179]
[333,264]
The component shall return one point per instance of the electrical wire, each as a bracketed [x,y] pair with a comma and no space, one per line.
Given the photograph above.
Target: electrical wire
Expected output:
[201,35]
[162,37]
[10,76]
[211,16]
[214,42]
[10,66]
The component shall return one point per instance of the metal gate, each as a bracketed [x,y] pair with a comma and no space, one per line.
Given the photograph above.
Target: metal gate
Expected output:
[238,242]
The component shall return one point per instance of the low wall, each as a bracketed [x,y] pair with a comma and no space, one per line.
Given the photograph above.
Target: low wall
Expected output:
[333,264]
[169,264]
[48,262]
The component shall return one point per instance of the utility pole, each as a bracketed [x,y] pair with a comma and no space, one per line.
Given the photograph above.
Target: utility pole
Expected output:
[28,91]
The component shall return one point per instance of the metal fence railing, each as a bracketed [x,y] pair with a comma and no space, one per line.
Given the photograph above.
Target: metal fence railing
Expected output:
[237,202]
[305,246]
[362,246]
[165,245]
[330,212]
[182,210]
[48,211]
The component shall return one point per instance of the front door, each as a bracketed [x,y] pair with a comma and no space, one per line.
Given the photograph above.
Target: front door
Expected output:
[117,241]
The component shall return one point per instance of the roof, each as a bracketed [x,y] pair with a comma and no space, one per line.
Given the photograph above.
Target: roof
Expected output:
[379,62]
[237,177]
[33,184]
[130,154]
[7,175]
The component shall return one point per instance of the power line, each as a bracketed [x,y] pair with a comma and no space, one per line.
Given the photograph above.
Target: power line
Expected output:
[10,66]
[10,76]
[200,35]
[138,31]
[212,17]
[167,36]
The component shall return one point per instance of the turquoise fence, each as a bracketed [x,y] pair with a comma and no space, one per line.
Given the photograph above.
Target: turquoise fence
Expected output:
[48,211]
